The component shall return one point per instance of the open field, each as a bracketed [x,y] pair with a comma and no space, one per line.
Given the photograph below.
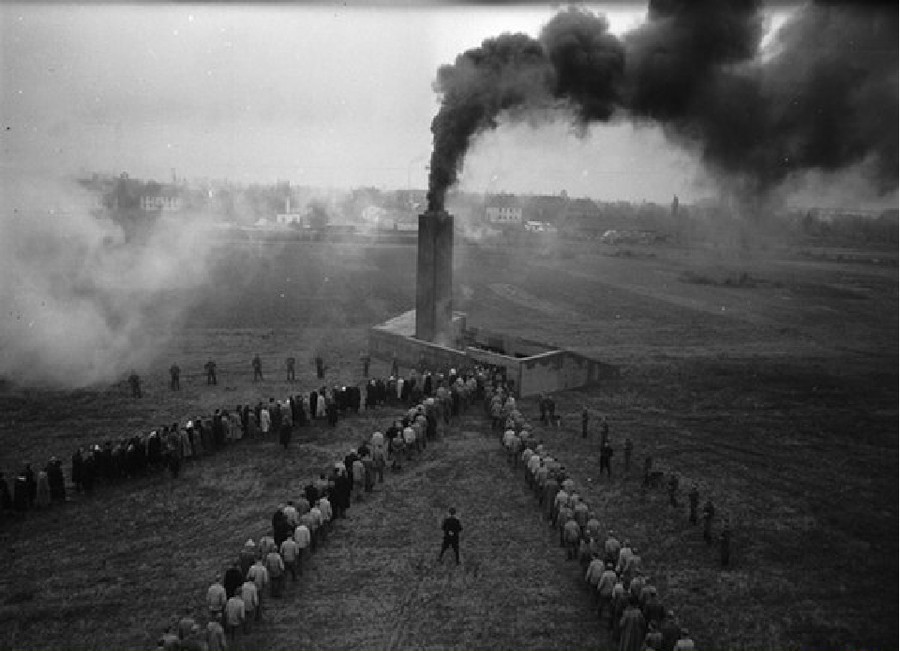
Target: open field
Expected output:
[770,381]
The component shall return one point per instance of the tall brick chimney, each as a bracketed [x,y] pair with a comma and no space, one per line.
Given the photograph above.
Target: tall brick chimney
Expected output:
[434,278]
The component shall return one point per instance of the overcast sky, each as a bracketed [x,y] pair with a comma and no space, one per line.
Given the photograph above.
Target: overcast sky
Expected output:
[315,95]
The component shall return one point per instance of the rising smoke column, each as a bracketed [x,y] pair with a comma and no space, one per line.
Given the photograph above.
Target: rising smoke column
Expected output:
[826,99]
[510,71]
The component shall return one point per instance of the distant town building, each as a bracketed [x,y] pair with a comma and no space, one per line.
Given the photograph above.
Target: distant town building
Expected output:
[287,217]
[166,199]
[503,209]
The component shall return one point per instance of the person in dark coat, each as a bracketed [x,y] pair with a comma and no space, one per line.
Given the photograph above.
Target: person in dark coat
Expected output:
[284,434]
[6,500]
[302,420]
[451,528]
[289,365]
[670,630]
[632,628]
[709,512]
[88,472]
[311,493]
[275,414]
[366,360]
[725,544]
[672,488]
[313,404]
[218,429]
[21,500]
[281,528]
[57,480]
[77,465]
[694,503]
[30,485]
[233,579]
[606,453]
[320,367]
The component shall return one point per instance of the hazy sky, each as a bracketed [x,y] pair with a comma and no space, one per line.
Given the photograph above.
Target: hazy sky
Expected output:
[316,95]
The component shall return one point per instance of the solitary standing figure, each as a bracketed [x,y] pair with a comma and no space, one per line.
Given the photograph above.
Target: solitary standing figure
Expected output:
[289,365]
[135,381]
[451,527]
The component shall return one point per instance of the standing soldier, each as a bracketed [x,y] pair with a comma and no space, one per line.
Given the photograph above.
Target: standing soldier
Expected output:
[542,403]
[366,361]
[725,543]
[320,367]
[584,422]
[289,365]
[709,512]
[629,448]
[551,412]
[175,373]
[604,430]
[694,502]
[451,527]
[135,381]
[395,365]
[257,368]
[673,490]
[606,453]
[648,468]
[210,367]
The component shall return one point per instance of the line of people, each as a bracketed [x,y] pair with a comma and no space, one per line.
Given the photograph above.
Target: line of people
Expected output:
[170,446]
[623,594]
[301,525]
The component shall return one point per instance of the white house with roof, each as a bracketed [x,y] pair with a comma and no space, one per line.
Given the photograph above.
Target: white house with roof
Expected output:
[503,210]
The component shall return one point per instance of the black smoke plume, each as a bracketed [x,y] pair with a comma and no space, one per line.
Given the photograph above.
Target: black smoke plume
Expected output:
[822,97]
[506,72]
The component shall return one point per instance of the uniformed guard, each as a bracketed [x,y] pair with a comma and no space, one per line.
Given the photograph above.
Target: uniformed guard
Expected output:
[709,512]
[606,453]
[289,365]
[366,361]
[725,543]
[135,381]
[175,374]
[672,488]
[210,367]
[694,502]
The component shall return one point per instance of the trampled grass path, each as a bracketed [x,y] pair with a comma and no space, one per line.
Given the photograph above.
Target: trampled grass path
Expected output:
[377,583]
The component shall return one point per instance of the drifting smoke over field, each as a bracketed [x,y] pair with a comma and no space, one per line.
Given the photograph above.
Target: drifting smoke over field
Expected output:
[81,303]
[822,97]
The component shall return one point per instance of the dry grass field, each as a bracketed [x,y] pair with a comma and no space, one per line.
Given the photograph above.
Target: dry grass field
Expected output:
[769,380]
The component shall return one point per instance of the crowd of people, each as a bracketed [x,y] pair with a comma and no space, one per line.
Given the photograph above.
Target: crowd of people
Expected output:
[300,525]
[170,446]
[626,600]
